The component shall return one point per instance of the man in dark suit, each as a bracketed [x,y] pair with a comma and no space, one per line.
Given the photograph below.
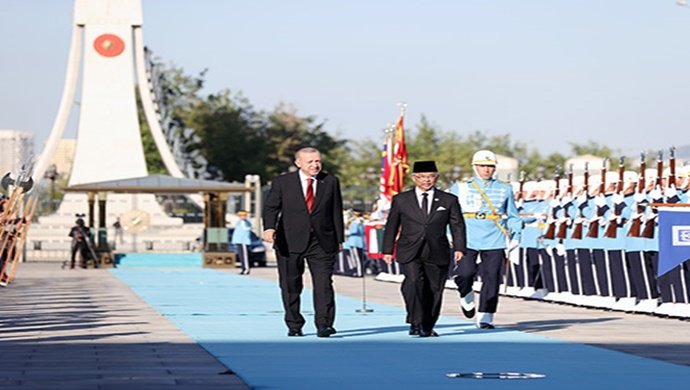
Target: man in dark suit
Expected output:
[421,216]
[303,217]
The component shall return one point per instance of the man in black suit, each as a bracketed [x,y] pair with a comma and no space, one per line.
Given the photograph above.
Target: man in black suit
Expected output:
[421,216]
[303,217]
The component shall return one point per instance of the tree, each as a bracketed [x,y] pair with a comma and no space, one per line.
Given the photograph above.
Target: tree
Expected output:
[287,132]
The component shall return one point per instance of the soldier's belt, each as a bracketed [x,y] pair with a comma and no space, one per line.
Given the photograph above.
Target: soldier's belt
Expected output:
[481,216]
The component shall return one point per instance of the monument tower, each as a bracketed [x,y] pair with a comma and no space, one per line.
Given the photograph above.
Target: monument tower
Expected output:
[107,47]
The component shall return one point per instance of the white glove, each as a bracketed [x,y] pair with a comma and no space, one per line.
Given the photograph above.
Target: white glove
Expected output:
[519,203]
[565,199]
[582,199]
[670,192]
[560,250]
[513,244]
[617,198]
[639,197]
[636,215]
[656,193]
[554,203]
[613,217]
[600,200]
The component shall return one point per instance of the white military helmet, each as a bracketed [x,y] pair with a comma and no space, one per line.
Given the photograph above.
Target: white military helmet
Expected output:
[484,157]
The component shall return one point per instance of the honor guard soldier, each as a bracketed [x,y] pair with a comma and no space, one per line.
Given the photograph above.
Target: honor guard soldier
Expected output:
[492,221]
[354,243]
[242,239]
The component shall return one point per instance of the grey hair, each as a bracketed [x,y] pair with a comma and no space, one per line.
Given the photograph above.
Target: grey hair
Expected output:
[307,149]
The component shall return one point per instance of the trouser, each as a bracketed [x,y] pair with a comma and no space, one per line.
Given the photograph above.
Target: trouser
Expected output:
[670,284]
[243,253]
[489,270]
[83,250]
[573,274]
[290,272]
[516,276]
[532,275]
[619,275]
[422,291]
[601,267]
[546,271]
[686,279]
[559,271]
[584,262]
[356,261]
[640,284]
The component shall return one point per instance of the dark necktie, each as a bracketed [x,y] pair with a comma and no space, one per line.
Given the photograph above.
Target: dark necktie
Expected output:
[425,204]
[309,198]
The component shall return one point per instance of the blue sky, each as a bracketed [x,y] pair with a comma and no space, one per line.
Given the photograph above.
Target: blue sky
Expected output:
[547,72]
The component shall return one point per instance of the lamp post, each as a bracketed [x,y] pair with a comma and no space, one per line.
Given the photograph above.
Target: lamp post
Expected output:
[369,178]
[52,174]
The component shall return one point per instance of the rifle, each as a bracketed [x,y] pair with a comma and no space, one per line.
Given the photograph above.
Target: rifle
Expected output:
[648,231]
[521,186]
[594,224]
[617,209]
[563,226]
[636,224]
[577,229]
[672,167]
[550,233]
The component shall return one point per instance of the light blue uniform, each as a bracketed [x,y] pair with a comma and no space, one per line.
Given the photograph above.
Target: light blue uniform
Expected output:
[483,234]
[354,245]
[242,234]
[355,235]
[242,237]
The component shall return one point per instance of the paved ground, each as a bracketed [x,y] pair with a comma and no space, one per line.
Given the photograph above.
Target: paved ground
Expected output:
[85,329]
[638,334]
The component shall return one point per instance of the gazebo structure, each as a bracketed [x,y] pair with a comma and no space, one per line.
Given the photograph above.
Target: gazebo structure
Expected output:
[215,195]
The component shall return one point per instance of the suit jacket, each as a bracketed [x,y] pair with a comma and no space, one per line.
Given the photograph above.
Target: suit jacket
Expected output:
[407,217]
[285,210]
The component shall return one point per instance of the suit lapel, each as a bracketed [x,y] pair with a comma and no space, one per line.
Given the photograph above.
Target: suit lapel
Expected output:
[416,206]
[434,204]
[298,186]
[320,189]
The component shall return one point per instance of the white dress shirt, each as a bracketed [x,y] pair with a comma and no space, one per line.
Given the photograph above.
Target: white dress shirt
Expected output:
[430,198]
[303,180]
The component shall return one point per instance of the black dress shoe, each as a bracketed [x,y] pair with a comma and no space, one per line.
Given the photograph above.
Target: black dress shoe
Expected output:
[427,333]
[485,325]
[467,313]
[414,330]
[295,333]
[326,332]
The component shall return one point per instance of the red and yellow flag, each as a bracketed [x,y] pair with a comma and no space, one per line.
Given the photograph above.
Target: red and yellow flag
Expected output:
[394,164]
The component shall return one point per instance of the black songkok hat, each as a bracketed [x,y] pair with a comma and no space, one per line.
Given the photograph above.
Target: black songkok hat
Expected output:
[424,166]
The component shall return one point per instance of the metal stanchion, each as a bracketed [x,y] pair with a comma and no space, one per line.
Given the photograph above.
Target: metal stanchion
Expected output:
[364,308]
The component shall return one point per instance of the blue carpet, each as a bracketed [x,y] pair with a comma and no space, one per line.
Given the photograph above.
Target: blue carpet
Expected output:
[157,260]
[238,319]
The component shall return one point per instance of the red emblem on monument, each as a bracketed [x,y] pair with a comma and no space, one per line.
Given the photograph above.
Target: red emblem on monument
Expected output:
[109,45]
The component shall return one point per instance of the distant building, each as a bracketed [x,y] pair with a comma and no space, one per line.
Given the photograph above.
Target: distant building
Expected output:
[507,168]
[16,147]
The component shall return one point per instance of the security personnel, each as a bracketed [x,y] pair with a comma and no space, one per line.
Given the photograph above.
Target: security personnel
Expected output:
[492,220]
[80,243]
[242,238]
[354,243]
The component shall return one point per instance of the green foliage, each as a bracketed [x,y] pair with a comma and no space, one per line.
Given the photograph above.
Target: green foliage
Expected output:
[154,162]
[238,140]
